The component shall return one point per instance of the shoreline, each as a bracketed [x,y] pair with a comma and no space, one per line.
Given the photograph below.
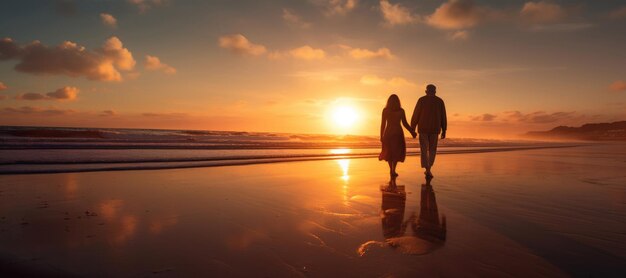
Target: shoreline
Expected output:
[220,162]
[542,211]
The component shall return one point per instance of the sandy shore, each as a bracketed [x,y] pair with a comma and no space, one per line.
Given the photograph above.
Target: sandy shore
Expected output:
[548,212]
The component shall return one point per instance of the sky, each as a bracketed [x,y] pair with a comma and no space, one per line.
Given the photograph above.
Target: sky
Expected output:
[502,67]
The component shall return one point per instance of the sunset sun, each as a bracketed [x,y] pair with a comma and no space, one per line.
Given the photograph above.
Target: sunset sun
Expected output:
[344,116]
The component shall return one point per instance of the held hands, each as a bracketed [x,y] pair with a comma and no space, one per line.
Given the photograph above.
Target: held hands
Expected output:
[443,135]
[414,134]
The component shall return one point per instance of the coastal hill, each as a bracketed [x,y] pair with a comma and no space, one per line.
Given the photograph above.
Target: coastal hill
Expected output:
[615,131]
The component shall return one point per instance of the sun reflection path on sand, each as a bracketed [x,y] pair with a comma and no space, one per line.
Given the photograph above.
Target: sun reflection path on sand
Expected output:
[344,164]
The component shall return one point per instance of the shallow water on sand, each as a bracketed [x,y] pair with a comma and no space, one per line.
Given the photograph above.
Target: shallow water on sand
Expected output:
[548,212]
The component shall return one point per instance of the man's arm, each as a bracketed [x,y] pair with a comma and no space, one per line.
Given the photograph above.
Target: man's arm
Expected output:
[444,120]
[416,114]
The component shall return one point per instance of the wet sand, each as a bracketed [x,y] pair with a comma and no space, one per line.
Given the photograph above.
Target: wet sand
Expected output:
[548,212]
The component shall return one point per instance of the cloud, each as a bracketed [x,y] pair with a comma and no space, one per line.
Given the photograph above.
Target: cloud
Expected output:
[542,12]
[459,14]
[107,113]
[3,97]
[239,44]
[396,14]
[31,96]
[484,117]
[360,53]
[324,75]
[65,93]
[108,20]
[8,49]
[30,110]
[337,7]
[307,53]
[154,63]
[3,87]
[164,115]
[539,117]
[71,59]
[618,86]
[562,27]
[618,13]
[294,20]
[458,35]
[120,56]
[374,80]
[145,5]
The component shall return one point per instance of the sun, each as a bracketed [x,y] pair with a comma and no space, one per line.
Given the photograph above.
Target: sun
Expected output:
[344,116]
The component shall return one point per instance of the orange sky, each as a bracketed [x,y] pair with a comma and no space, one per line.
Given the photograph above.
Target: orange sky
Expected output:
[285,66]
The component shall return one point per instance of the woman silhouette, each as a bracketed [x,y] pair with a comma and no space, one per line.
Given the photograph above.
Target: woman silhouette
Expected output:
[391,134]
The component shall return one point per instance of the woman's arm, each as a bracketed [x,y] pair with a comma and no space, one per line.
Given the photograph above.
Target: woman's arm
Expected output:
[406,125]
[383,123]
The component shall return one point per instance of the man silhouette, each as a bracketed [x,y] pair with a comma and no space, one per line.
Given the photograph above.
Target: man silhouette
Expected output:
[430,118]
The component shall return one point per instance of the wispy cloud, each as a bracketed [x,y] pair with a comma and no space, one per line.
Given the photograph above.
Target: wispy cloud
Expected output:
[538,117]
[549,16]
[305,52]
[107,113]
[31,110]
[108,20]
[239,44]
[336,7]
[484,117]
[66,93]
[308,53]
[542,12]
[145,5]
[459,14]
[375,80]
[154,63]
[618,86]
[164,115]
[396,14]
[294,20]
[562,27]
[361,53]
[458,35]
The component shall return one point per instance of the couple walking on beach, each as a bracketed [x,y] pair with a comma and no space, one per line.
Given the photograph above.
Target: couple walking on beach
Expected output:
[429,116]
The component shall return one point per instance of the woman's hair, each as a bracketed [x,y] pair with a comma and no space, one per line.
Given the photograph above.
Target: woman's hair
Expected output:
[393,103]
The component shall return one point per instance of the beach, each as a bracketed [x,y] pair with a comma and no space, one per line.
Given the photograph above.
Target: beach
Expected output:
[553,212]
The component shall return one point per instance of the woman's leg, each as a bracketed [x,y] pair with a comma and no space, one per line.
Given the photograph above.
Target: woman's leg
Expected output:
[391,169]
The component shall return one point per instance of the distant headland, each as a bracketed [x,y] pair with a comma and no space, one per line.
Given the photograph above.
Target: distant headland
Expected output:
[615,131]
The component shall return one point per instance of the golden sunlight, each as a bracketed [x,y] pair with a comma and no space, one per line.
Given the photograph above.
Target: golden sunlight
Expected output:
[344,116]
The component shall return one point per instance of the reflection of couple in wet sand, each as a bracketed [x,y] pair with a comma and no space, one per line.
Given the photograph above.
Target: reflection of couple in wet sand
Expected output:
[429,117]
[429,232]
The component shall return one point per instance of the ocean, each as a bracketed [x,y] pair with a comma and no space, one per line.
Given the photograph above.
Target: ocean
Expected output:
[25,150]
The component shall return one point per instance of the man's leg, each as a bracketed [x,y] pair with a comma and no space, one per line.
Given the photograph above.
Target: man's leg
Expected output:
[432,148]
[424,150]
